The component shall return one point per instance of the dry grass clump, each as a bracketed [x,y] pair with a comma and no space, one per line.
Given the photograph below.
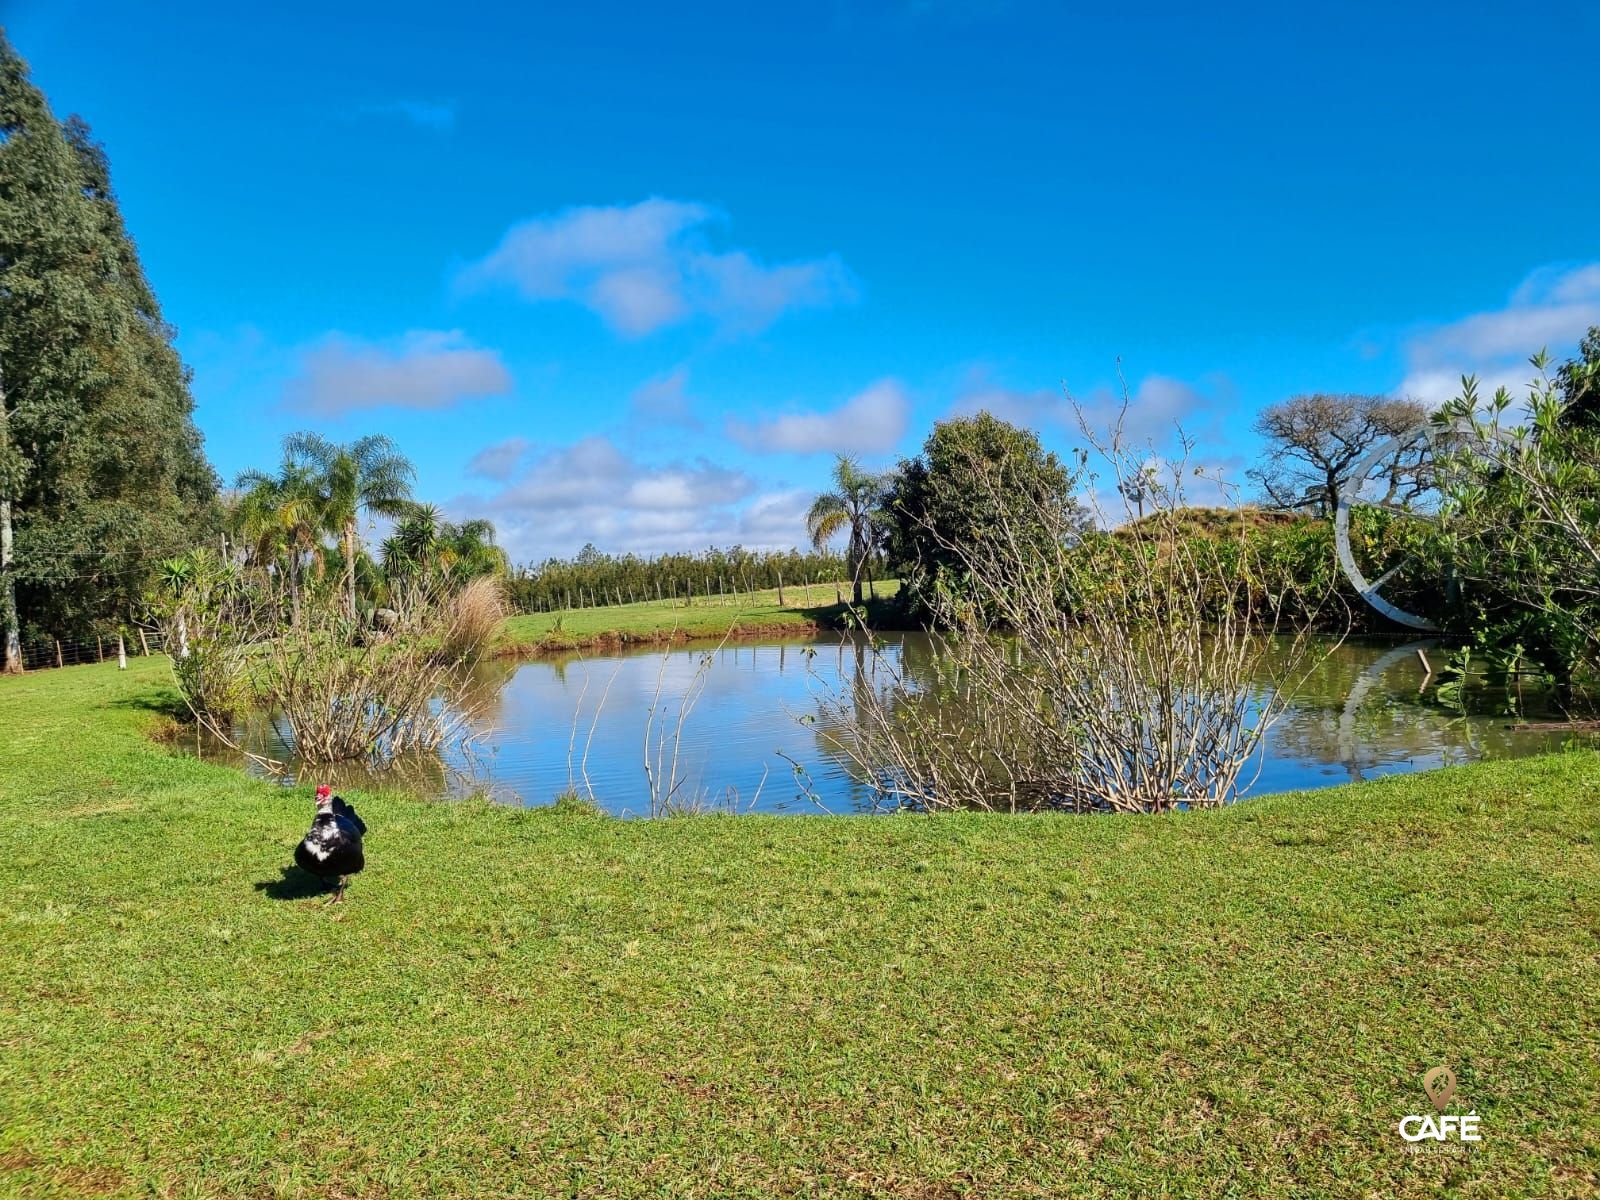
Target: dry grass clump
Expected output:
[472,618]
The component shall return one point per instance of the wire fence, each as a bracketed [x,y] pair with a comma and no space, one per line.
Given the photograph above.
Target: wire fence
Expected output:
[44,653]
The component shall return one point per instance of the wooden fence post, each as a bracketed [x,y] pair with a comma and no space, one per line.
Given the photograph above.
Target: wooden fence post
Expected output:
[59,663]
[780,589]
[99,648]
[122,653]
[144,642]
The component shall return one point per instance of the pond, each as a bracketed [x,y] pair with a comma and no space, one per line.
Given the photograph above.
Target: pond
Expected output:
[755,736]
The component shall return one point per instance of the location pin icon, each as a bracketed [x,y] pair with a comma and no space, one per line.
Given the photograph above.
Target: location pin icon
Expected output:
[1440,1084]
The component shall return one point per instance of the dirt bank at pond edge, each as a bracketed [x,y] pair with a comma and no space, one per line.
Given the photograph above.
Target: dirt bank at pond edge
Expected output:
[616,639]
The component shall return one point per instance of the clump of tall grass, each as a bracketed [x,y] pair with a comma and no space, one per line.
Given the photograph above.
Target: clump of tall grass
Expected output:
[472,618]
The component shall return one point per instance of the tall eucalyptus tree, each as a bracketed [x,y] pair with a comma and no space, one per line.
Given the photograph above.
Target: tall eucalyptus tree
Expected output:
[101,471]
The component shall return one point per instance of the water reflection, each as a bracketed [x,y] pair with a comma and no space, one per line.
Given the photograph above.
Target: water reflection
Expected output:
[541,726]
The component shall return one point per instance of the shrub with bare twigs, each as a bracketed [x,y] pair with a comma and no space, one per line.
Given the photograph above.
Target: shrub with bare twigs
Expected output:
[1133,671]
[344,690]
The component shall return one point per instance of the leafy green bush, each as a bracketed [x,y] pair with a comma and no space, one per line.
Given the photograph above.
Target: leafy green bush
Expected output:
[1523,527]
[205,607]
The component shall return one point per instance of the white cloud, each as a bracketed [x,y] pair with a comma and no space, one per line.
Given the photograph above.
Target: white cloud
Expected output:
[1550,309]
[777,519]
[645,266]
[1156,410]
[1030,409]
[424,369]
[664,398]
[500,460]
[871,422]
[591,491]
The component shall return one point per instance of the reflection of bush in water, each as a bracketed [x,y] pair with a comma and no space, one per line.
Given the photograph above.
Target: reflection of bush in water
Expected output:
[1360,706]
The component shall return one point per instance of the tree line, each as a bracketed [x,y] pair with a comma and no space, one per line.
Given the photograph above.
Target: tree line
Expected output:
[592,578]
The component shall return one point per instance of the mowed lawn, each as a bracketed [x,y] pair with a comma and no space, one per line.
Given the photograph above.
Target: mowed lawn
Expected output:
[749,613]
[524,1003]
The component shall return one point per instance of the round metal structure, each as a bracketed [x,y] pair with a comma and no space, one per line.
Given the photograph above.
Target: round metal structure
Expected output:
[1350,496]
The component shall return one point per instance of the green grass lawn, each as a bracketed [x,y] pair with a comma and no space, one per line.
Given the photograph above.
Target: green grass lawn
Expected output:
[757,613]
[523,1003]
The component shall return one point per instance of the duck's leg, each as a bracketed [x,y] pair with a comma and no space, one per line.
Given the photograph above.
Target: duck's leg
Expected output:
[338,894]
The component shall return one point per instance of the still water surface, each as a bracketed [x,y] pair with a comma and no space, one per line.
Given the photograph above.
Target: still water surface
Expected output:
[539,725]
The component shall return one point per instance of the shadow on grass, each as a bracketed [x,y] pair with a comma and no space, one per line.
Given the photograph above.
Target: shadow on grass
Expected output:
[295,885]
[882,614]
[165,701]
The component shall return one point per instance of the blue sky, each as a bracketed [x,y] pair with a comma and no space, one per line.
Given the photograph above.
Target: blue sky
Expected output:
[631,273]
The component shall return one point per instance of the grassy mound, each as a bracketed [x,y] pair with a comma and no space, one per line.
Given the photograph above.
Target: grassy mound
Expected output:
[523,1003]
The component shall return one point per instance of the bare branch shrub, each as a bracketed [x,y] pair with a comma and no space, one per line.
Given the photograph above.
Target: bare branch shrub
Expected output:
[664,773]
[345,691]
[1130,669]
[672,789]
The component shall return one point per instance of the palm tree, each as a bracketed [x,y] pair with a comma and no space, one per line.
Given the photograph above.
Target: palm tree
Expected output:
[414,543]
[854,504]
[281,518]
[369,475]
[472,550]
[424,541]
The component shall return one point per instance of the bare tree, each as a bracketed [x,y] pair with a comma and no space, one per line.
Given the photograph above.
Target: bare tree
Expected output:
[1314,440]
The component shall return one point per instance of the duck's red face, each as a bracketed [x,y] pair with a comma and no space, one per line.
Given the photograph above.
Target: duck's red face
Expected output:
[324,796]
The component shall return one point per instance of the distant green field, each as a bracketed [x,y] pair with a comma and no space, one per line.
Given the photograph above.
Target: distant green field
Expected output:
[749,613]
[544,1003]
